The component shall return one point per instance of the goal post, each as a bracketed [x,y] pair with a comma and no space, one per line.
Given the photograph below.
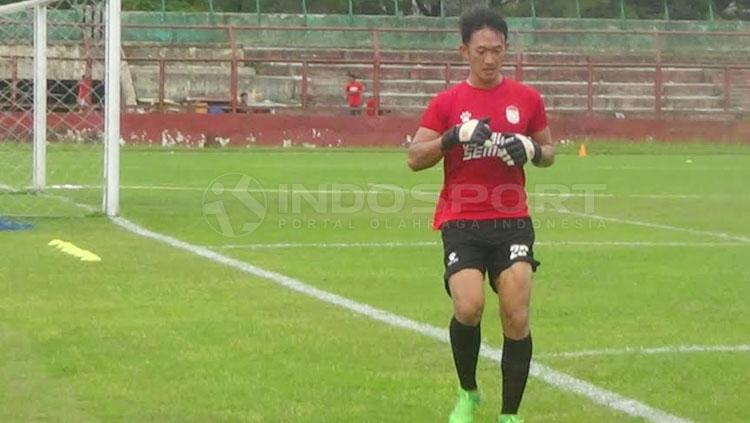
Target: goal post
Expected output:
[40,98]
[111,197]
[60,107]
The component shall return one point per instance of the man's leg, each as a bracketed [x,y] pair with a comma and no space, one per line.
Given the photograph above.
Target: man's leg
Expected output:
[467,293]
[514,293]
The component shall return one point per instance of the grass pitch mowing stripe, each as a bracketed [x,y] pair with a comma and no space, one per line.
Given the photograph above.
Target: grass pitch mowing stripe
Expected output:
[29,392]
[561,380]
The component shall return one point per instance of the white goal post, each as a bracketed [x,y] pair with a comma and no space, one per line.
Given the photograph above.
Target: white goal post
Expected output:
[60,64]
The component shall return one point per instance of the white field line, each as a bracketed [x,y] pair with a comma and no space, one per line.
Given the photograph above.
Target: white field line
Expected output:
[417,244]
[714,234]
[379,189]
[8,188]
[553,377]
[675,349]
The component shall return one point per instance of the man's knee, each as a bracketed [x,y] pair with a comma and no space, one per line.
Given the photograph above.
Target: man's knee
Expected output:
[467,292]
[515,321]
[519,272]
[469,311]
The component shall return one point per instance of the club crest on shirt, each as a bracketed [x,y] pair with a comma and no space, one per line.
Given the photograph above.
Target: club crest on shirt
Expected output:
[512,114]
[465,117]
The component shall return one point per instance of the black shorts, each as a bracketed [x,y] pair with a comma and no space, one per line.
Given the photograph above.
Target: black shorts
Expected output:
[489,246]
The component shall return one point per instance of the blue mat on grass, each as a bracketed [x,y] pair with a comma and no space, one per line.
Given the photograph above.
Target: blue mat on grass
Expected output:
[7,224]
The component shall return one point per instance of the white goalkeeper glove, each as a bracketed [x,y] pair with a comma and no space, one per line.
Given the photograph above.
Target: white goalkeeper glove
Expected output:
[517,149]
[470,132]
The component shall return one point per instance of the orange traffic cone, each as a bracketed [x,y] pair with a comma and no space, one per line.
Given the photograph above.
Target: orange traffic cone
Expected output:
[582,151]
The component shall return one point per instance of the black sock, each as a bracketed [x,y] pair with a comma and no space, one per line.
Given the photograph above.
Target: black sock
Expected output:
[465,342]
[515,366]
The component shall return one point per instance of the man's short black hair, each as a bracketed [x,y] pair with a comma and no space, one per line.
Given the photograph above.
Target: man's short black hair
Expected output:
[480,17]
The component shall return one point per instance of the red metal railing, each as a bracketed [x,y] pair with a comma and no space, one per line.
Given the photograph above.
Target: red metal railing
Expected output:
[590,67]
[726,82]
[377,61]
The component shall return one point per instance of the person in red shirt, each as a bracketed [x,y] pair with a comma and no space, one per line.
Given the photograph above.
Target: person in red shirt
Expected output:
[84,92]
[354,91]
[485,130]
[373,106]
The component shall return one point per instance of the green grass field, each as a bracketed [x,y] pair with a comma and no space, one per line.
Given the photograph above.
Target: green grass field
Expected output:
[643,291]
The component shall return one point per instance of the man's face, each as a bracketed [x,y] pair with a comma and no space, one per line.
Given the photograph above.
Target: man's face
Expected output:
[485,53]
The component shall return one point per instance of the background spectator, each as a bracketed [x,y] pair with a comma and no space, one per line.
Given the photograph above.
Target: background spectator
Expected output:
[354,91]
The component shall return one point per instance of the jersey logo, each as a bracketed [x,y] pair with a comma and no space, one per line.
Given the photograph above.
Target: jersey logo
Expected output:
[465,117]
[512,114]
[452,259]
[518,250]
[478,151]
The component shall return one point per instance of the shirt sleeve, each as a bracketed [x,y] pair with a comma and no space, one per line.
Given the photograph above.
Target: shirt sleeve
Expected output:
[434,117]
[539,118]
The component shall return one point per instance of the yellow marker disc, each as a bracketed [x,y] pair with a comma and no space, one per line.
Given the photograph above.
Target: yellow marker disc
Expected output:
[68,248]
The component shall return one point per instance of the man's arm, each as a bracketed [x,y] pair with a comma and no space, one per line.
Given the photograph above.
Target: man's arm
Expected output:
[425,149]
[544,139]
[428,146]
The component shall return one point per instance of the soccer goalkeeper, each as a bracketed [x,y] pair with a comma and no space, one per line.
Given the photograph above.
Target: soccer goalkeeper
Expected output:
[486,129]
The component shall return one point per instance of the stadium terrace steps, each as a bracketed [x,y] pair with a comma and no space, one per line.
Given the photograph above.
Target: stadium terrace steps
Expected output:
[350,54]
[56,69]
[692,89]
[741,98]
[409,86]
[159,50]
[565,57]
[269,53]
[548,88]
[560,87]
[200,82]
[530,73]
[627,88]
[614,74]
[624,103]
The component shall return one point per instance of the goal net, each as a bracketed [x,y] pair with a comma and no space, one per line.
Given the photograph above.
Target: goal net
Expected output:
[59,107]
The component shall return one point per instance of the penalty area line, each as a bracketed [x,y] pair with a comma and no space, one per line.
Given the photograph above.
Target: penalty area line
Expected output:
[546,374]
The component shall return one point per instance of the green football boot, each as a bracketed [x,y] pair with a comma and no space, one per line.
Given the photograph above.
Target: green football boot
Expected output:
[509,418]
[466,406]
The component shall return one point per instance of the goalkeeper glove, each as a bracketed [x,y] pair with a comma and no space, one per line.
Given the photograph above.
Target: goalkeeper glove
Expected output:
[471,132]
[518,149]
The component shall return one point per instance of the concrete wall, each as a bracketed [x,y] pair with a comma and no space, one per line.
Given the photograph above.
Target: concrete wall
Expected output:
[72,67]
[195,130]
[239,130]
